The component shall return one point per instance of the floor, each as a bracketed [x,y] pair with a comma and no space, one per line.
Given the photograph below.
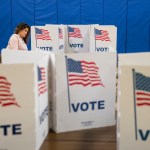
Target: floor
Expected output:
[93,139]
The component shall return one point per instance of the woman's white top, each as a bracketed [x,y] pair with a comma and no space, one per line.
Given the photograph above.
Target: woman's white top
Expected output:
[16,43]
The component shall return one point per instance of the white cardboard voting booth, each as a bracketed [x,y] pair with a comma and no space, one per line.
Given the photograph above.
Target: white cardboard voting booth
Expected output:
[77,38]
[133,127]
[23,100]
[48,38]
[134,108]
[134,59]
[84,91]
[61,32]
[103,38]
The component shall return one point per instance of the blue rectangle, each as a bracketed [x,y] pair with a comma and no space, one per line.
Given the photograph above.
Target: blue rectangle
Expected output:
[74,66]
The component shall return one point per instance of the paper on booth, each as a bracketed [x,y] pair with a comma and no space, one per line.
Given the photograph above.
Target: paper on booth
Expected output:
[134,59]
[47,38]
[103,38]
[83,100]
[77,38]
[61,36]
[133,130]
[21,56]
[24,97]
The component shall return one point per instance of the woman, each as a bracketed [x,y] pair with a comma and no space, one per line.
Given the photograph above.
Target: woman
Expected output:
[18,41]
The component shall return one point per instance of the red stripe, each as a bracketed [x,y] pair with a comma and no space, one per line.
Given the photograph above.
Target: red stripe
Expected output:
[89,71]
[142,93]
[82,76]
[9,104]
[74,75]
[102,38]
[7,99]
[5,87]
[96,80]
[79,83]
[3,78]
[78,79]
[42,92]
[89,63]
[96,84]
[93,77]
[143,104]
[6,83]
[42,87]
[42,83]
[140,99]
[92,68]
[42,68]
[93,74]
[9,94]
[5,90]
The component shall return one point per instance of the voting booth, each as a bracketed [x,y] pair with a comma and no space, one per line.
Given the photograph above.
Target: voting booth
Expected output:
[83,91]
[24,106]
[77,38]
[103,38]
[61,33]
[49,38]
[133,127]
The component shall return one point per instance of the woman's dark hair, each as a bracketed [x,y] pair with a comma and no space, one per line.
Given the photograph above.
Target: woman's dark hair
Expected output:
[20,27]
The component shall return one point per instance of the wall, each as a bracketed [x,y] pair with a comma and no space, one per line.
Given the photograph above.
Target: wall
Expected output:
[132,18]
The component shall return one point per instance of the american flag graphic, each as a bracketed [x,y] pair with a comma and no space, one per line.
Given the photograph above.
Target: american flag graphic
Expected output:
[83,73]
[101,35]
[42,88]
[60,33]
[42,34]
[74,32]
[142,88]
[6,97]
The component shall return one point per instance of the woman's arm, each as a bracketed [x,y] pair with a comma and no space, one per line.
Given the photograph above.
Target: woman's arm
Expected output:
[13,42]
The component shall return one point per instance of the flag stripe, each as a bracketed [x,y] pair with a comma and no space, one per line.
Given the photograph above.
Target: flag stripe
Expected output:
[143,93]
[90,68]
[42,87]
[84,84]
[42,91]
[77,75]
[9,94]
[5,83]
[145,99]
[6,97]
[4,90]
[10,103]
[143,104]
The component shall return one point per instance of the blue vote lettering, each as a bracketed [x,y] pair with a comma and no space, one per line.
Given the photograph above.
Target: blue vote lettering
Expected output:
[85,106]
[44,115]
[76,45]
[102,49]
[15,129]
[46,48]
[61,46]
[145,135]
